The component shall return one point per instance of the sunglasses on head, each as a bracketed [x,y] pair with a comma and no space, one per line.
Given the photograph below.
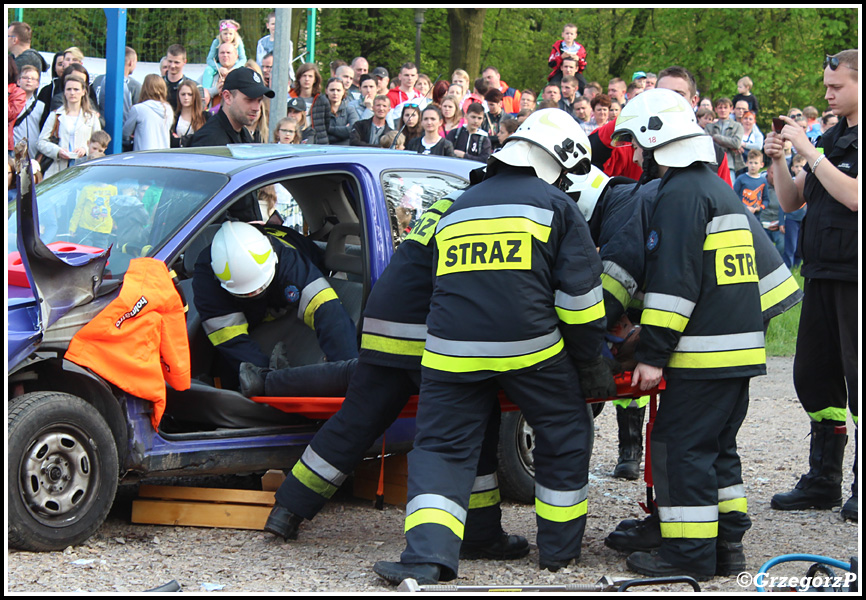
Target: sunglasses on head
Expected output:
[833,62]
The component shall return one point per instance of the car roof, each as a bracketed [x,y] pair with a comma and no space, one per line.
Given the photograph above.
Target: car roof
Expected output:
[233,158]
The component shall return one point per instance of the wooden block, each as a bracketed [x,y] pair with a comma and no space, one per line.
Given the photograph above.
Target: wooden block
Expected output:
[272,480]
[396,469]
[219,495]
[200,514]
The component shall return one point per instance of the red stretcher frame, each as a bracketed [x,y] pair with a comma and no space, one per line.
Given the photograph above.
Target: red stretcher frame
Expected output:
[323,408]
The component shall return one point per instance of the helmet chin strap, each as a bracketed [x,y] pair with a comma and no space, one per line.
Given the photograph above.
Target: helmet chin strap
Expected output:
[650,169]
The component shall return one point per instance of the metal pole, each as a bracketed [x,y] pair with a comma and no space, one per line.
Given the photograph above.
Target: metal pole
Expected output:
[282,64]
[419,21]
[311,35]
[115,55]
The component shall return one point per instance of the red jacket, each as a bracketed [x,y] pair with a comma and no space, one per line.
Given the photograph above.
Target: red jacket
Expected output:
[16,98]
[139,341]
[555,58]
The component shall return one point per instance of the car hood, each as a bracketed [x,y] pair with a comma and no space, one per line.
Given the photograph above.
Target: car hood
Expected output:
[58,282]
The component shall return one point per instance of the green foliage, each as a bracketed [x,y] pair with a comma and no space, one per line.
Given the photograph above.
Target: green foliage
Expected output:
[781,49]
[782,333]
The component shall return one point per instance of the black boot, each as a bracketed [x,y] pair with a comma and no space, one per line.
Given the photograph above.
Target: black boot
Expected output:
[730,558]
[821,487]
[646,535]
[630,424]
[252,380]
[851,508]
[505,547]
[283,523]
[652,565]
[396,572]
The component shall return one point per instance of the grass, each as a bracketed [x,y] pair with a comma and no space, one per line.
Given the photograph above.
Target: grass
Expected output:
[782,334]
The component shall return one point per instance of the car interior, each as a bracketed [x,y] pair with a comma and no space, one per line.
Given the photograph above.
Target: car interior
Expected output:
[332,230]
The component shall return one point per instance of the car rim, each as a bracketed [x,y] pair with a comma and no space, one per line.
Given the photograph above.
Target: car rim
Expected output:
[58,473]
[525,445]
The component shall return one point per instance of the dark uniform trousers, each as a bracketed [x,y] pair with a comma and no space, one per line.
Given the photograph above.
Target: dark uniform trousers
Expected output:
[827,344]
[375,397]
[452,417]
[696,469]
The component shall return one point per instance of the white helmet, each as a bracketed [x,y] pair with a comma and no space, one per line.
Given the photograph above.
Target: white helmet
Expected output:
[242,259]
[590,187]
[549,141]
[663,121]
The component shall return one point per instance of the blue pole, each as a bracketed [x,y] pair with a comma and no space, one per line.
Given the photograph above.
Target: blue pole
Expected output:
[115,55]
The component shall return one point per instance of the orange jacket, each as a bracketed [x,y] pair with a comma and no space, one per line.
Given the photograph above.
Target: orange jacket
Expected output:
[139,341]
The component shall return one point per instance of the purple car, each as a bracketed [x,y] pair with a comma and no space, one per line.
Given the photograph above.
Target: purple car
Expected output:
[73,436]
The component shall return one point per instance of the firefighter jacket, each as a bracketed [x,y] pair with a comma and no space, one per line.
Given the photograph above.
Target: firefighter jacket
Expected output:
[139,341]
[297,286]
[395,317]
[517,281]
[617,226]
[621,217]
[702,307]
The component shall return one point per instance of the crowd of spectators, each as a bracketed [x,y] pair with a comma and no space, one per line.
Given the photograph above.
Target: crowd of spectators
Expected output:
[357,105]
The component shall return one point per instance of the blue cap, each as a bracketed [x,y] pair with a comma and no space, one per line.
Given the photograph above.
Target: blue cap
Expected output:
[638,75]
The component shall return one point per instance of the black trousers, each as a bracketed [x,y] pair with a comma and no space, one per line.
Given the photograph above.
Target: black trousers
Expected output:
[452,418]
[696,469]
[375,397]
[827,358]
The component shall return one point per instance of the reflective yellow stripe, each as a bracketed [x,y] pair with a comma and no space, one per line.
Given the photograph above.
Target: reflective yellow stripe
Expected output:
[492,226]
[391,345]
[690,530]
[661,318]
[227,333]
[318,300]
[727,239]
[779,293]
[560,514]
[631,402]
[303,474]
[467,364]
[425,228]
[735,505]
[616,289]
[484,499]
[434,516]
[717,360]
[831,413]
[580,317]
[506,251]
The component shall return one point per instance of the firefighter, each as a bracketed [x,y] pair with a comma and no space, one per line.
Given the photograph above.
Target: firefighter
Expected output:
[612,207]
[243,277]
[702,328]
[388,372]
[517,304]
[617,212]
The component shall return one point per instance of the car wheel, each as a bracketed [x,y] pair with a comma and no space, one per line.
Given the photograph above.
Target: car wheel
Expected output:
[516,465]
[62,471]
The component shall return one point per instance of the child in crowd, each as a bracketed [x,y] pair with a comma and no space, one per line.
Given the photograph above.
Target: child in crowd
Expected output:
[97,144]
[470,141]
[228,33]
[751,185]
[744,92]
[387,140]
[566,47]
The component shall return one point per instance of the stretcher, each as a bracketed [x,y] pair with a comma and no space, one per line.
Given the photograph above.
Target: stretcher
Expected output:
[324,408]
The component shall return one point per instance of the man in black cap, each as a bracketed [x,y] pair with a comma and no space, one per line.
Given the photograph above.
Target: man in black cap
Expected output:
[382,79]
[241,104]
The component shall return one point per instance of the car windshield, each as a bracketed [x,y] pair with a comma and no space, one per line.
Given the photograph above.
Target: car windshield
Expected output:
[134,208]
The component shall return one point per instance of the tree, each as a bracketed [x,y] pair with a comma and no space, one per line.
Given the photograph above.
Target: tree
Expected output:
[467,31]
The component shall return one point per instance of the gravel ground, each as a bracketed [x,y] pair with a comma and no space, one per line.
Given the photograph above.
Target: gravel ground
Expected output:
[337,550]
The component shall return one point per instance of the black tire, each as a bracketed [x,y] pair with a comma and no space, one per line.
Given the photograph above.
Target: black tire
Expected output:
[516,465]
[62,471]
